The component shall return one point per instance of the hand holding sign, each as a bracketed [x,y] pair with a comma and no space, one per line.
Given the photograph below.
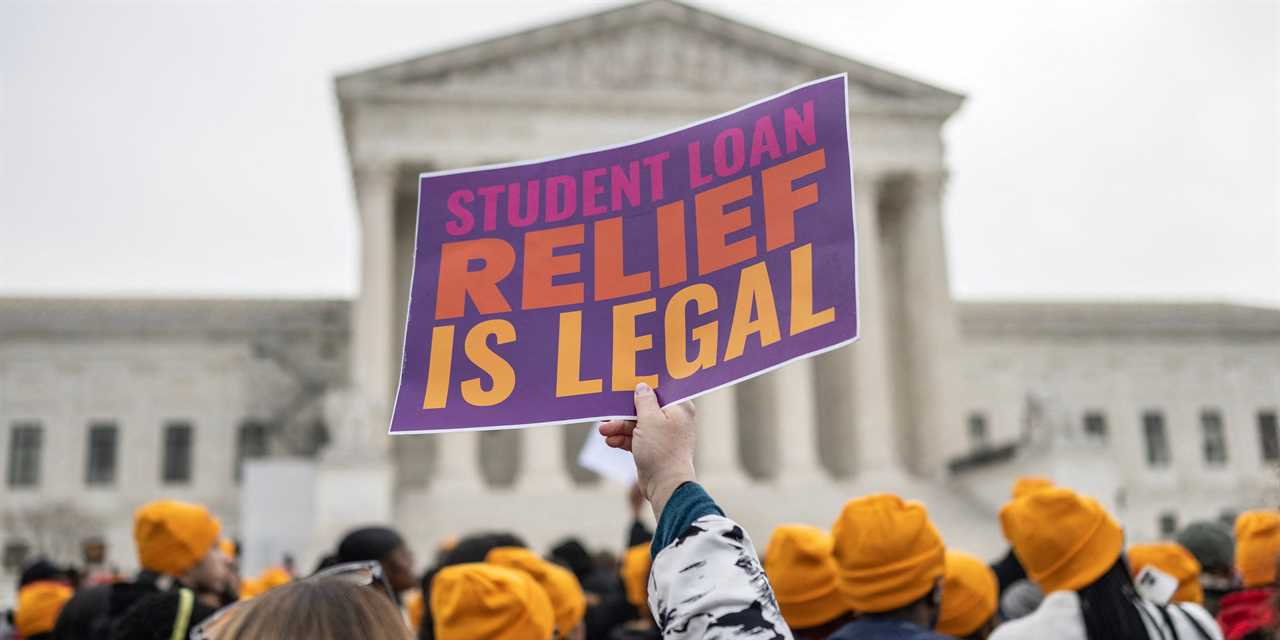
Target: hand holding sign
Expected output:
[662,441]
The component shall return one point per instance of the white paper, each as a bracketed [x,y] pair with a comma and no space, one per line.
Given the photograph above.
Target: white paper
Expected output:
[1155,586]
[615,464]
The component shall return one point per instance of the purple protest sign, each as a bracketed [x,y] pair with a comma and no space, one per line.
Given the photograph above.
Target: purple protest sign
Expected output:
[544,291]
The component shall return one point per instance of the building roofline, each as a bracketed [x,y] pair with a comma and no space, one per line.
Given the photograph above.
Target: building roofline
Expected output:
[510,44]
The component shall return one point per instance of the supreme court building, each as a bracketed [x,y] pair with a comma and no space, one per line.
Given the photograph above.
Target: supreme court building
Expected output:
[1165,412]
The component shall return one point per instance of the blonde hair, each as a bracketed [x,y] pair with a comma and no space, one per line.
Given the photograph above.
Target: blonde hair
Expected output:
[323,609]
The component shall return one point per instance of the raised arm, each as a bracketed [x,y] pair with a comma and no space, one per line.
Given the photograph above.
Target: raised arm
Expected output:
[706,580]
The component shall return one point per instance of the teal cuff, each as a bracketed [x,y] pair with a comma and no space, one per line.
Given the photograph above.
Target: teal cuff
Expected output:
[689,502]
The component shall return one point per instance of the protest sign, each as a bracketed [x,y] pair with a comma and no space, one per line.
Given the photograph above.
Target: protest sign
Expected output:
[544,291]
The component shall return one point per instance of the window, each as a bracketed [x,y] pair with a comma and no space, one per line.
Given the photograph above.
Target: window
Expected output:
[25,441]
[1157,439]
[15,555]
[978,436]
[251,443]
[1095,426]
[100,467]
[1168,524]
[1269,436]
[176,464]
[1214,439]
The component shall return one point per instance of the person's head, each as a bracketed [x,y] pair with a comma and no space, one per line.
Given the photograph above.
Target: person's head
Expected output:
[1019,600]
[1027,485]
[890,559]
[475,601]
[40,570]
[1174,560]
[269,579]
[180,540]
[969,600]
[161,616]
[39,604]
[476,547]
[384,545]
[321,608]
[1257,547]
[1213,546]
[1068,542]
[636,563]
[567,599]
[802,571]
[574,555]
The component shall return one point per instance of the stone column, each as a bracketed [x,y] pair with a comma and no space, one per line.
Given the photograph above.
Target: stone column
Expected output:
[717,452]
[457,468]
[873,419]
[542,467]
[795,417]
[371,357]
[931,319]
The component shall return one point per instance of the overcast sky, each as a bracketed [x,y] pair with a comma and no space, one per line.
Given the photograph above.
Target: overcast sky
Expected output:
[1109,149]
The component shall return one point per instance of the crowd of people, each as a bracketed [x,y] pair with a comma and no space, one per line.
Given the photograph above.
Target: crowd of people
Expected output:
[881,571]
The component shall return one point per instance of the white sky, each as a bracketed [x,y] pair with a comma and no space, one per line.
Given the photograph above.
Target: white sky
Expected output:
[1109,149]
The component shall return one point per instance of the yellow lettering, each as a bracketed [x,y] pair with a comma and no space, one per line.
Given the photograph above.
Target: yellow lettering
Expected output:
[478,351]
[755,292]
[678,364]
[626,344]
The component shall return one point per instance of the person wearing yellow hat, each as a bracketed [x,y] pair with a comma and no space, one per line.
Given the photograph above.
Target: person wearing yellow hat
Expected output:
[705,579]
[1173,560]
[1072,549]
[800,566]
[270,578]
[890,562]
[567,599]
[180,540]
[1008,570]
[482,601]
[177,545]
[634,572]
[968,598]
[39,604]
[1257,550]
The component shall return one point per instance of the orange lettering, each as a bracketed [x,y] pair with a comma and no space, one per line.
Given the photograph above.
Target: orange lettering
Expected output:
[781,201]
[611,279]
[714,225]
[541,265]
[673,264]
[457,283]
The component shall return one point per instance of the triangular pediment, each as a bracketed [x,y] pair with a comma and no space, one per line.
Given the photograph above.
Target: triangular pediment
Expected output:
[652,45]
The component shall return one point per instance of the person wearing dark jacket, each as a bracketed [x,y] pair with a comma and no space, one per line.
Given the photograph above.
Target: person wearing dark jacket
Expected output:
[891,563]
[1214,548]
[177,546]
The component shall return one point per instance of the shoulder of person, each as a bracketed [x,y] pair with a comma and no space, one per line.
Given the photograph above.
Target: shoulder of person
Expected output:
[1190,621]
[1057,618]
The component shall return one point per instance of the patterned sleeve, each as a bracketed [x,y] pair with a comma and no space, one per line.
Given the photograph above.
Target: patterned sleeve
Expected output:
[708,584]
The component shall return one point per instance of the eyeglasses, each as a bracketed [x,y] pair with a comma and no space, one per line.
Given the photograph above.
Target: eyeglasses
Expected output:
[361,574]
